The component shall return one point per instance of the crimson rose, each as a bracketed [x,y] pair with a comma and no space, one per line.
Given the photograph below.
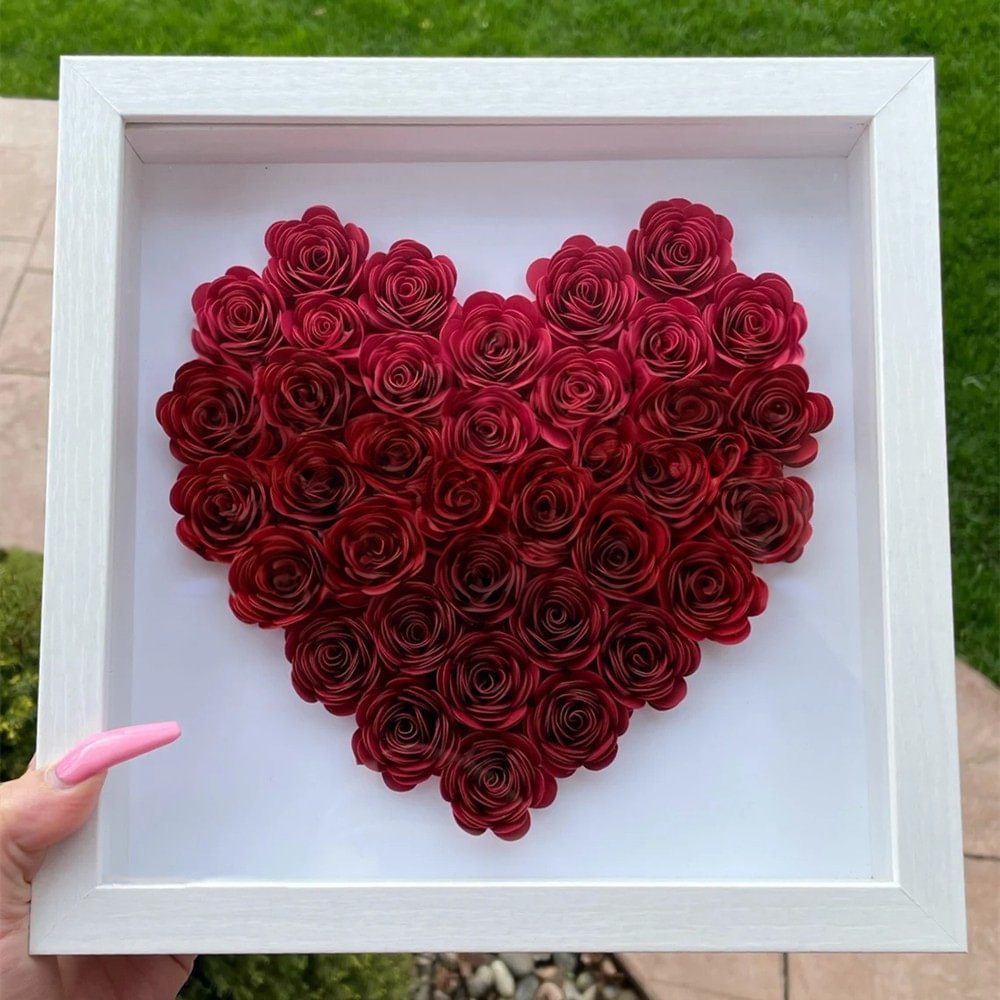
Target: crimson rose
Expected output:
[560,620]
[620,547]
[391,452]
[481,575]
[458,494]
[315,253]
[413,626]
[778,413]
[645,659]
[584,291]
[326,323]
[211,410]
[488,425]
[372,546]
[496,341]
[487,681]
[405,372]
[575,722]
[403,733]
[693,408]
[313,480]
[222,501]
[408,288]
[239,318]
[276,579]
[668,339]
[710,590]
[766,518]
[673,478]
[302,390]
[492,781]
[680,248]
[607,452]
[333,660]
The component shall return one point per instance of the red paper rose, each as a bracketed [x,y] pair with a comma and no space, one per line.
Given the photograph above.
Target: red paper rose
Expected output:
[373,546]
[313,480]
[413,627]
[238,316]
[681,249]
[303,390]
[766,518]
[405,373]
[403,733]
[578,387]
[673,479]
[620,547]
[487,681]
[481,575]
[710,590]
[408,288]
[584,291]
[644,659]
[607,452]
[211,410]
[316,253]
[756,322]
[693,408]
[276,579]
[391,452]
[575,722]
[458,495]
[560,620]
[778,414]
[668,339]
[497,341]
[492,781]
[323,322]
[333,660]
[222,501]
[488,425]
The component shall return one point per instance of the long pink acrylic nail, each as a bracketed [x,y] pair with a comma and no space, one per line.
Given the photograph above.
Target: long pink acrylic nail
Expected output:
[99,752]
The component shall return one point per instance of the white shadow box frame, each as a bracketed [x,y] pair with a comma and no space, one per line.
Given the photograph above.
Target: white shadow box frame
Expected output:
[805,795]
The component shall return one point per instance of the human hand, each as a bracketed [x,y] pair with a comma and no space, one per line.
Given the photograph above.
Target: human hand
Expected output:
[37,810]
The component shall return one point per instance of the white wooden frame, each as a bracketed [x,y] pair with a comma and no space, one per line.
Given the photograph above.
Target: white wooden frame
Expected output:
[879,114]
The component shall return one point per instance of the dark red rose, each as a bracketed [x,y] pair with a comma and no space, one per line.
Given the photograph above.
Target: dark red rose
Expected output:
[709,589]
[488,425]
[238,316]
[778,414]
[675,481]
[487,681]
[405,373]
[492,781]
[620,547]
[211,410]
[693,408]
[458,494]
[323,322]
[313,480]
[391,452]
[333,659]
[578,387]
[668,339]
[584,291]
[403,733]
[607,452]
[560,620]
[681,249]
[496,341]
[547,499]
[316,253]
[645,659]
[725,453]
[303,390]
[373,546]
[408,288]
[755,322]
[481,575]
[767,519]
[575,722]
[413,626]
[276,579]
[222,501]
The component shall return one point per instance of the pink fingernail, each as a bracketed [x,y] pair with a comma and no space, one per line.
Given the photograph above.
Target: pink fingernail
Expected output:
[113,746]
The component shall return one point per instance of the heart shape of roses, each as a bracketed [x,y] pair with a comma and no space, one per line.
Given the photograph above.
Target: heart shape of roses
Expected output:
[492,531]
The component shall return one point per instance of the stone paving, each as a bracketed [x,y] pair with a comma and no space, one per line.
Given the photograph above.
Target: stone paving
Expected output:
[27,188]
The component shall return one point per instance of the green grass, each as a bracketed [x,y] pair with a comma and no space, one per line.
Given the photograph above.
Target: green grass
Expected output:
[963,35]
